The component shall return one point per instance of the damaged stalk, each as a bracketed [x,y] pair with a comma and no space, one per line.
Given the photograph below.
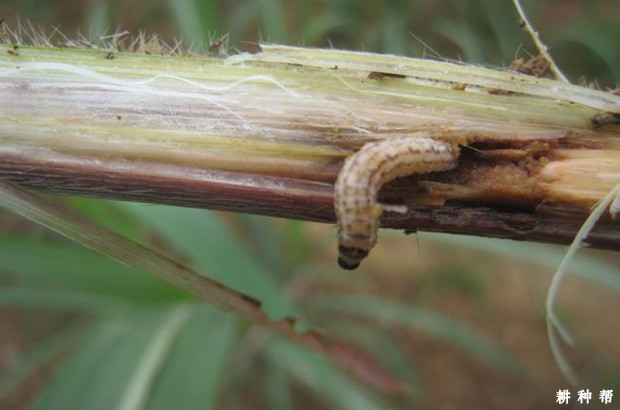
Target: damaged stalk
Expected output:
[267,134]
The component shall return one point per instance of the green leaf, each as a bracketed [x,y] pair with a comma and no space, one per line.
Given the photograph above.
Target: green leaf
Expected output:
[299,247]
[117,364]
[144,360]
[266,241]
[469,41]
[64,300]
[189,21]
[601,43]
[194,369]
[502,20]
[108,213]
[315,29]
[320,376]
[213,248]
[277,388]
[549,256]
[391,313]
[74,268]
[152,357]
[382,345]
[73,383]
[272,14]
[98,20]
[394,32]
[30,363]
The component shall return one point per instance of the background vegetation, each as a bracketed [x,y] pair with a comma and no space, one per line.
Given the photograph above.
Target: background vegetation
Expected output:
[459,319]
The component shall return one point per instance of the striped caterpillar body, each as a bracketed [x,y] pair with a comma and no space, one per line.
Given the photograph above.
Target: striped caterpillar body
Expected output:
[362,176]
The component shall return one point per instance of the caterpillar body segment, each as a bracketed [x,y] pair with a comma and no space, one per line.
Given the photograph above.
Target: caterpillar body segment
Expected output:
[364,173]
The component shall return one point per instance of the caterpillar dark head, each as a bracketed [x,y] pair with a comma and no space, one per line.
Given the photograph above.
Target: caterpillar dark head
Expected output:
[349,258]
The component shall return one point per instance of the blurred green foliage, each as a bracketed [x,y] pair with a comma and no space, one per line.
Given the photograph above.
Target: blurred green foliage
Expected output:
[583,35]
[141,343]
[132,342]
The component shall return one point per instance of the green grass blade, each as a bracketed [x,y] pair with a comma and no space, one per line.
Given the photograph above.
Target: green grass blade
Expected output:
[30,363]
[68,387]
[63,300]
[467,39]
[322,378]
[73,268]
[98,20]
[194,368]
[267,243]
[381,344]
[115,367]
[108,213]
[272,14]
[391,313]
[586,267]
[213,248]
[189,21]
[277,388]
[299,249]
[138,390]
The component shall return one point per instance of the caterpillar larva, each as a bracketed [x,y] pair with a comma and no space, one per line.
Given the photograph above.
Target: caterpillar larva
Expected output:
[361,177]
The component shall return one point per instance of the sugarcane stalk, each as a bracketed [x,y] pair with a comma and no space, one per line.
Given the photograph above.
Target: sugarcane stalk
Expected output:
[267,133]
